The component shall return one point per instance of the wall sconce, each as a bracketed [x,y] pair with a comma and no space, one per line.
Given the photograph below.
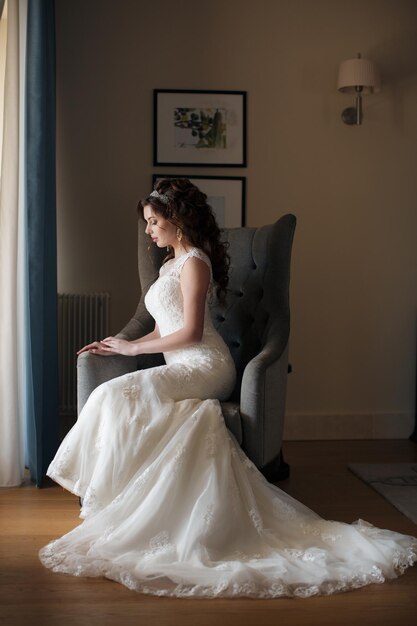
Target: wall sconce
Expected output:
[357,76]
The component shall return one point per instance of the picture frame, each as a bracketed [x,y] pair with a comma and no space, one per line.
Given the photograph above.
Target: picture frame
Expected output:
[195,128]
[225,194]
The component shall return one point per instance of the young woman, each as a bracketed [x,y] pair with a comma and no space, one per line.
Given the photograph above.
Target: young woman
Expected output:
[172,506]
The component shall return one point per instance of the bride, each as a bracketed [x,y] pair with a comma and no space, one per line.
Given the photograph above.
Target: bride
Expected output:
[171,504]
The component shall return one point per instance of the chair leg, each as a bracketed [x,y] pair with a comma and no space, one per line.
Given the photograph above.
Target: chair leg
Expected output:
[277,469]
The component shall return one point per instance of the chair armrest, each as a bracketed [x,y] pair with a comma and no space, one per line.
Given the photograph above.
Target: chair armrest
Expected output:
[263,395]
[93,370]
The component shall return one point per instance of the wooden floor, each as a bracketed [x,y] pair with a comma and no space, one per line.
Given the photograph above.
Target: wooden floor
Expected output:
[32,595]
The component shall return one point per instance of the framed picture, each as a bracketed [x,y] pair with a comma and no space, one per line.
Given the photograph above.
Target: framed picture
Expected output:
[225,194]
[200,128]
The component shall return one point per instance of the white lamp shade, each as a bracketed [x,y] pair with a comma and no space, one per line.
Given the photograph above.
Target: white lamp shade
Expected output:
[358,73]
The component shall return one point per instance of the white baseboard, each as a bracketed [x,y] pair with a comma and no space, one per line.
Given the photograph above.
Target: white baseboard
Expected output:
[308,426]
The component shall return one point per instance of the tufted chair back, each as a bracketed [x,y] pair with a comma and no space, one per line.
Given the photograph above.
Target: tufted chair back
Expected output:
[257,299]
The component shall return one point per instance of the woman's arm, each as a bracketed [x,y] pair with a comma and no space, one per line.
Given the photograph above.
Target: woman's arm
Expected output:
[195,279]
[96,347]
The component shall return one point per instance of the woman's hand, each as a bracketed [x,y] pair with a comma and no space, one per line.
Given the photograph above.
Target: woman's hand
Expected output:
[112,345]
[95,348]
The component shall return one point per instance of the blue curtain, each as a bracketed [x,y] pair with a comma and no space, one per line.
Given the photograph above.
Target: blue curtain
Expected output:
[40,199]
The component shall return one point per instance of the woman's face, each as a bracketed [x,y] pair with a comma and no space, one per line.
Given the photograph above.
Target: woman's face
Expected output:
[161,231]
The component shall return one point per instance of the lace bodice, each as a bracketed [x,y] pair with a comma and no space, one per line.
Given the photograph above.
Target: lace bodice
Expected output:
[164,302]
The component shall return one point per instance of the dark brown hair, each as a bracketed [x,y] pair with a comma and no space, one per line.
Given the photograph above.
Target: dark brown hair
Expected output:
[187,208]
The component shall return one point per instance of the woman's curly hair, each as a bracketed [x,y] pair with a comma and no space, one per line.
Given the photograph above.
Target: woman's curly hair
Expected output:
[187,208]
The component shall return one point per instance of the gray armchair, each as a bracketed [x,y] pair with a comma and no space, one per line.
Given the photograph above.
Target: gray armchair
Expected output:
[254,321]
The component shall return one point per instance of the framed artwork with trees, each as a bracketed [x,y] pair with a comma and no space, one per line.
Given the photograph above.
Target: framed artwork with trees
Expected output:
[200,128]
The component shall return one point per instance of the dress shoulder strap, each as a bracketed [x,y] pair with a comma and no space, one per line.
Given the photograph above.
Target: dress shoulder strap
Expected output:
[174,266]
[193,252]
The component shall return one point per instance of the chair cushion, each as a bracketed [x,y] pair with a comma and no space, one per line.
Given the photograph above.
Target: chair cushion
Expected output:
[233,419]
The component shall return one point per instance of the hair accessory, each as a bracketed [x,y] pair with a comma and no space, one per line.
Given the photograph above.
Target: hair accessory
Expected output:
[160,196]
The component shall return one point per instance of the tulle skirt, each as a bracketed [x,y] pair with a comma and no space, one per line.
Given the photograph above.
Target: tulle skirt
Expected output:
[173,507]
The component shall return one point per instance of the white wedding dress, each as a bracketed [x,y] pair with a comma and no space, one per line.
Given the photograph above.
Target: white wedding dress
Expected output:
[172,506]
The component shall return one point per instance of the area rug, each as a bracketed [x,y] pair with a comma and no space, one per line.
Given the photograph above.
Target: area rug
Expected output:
[397,482]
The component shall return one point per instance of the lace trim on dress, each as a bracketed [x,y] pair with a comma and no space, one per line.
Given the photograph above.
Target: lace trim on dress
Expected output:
[58,559]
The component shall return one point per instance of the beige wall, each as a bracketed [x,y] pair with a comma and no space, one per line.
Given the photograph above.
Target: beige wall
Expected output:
[353,189]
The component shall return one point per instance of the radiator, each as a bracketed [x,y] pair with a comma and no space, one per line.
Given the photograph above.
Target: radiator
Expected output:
[82,318]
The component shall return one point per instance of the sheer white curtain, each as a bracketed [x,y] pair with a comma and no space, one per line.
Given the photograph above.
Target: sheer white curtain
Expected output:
[12,265]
